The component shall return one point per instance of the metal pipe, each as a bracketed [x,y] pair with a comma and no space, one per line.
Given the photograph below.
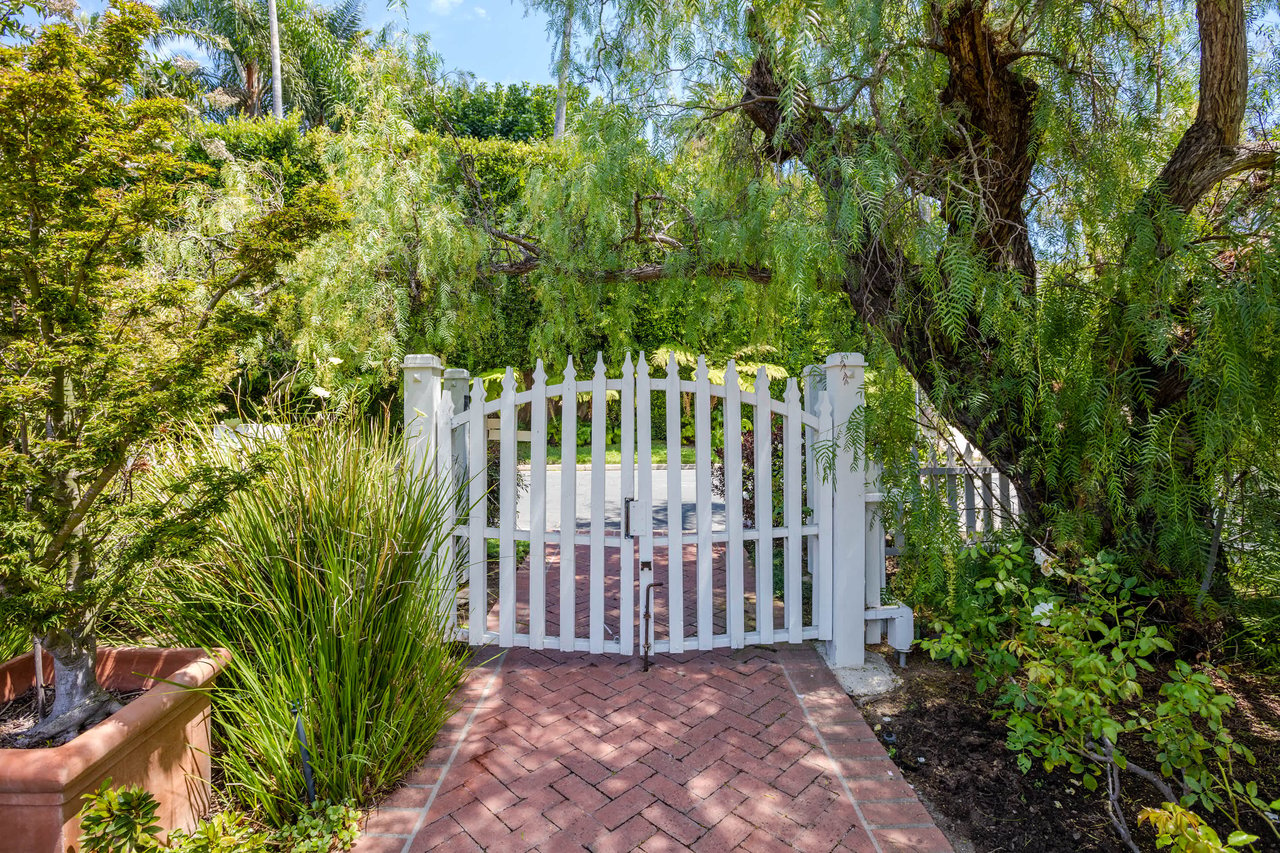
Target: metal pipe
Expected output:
[648,614]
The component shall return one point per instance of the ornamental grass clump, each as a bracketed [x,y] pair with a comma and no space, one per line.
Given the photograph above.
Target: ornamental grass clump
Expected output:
[330,583]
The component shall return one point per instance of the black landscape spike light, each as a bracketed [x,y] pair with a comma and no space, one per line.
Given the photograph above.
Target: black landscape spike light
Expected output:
[648,615]
[38,649]
[295,708]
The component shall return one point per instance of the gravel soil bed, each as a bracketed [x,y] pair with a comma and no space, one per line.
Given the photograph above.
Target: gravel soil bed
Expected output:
[940,732]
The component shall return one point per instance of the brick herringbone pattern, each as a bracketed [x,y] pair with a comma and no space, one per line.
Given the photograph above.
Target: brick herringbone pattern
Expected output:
[753,750]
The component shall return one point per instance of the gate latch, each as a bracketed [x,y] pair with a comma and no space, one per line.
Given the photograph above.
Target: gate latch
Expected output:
[637,518]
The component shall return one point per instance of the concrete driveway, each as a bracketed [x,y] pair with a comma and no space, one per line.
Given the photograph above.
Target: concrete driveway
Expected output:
[613,499]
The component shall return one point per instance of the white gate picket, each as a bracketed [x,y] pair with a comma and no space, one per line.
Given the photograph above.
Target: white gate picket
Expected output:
[763,437]
[702,457]
[447,471]
[568,503]
[644,496]
[675,514]
[644,451]
[988,503]
[1006,505]
[477,591]
[822,583]
[507,511]
[735,582]
[597,504]
[792,597]
[538,510]
[626,545]
[970,495]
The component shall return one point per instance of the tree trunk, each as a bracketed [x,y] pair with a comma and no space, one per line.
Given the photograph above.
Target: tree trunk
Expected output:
[277,85]
[75,683]
[562,94]
[992,159]
[252,92]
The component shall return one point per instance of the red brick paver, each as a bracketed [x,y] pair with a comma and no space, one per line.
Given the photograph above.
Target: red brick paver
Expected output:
[755,749]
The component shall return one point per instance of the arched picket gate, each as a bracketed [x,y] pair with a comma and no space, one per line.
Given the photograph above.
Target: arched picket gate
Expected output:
[571,556]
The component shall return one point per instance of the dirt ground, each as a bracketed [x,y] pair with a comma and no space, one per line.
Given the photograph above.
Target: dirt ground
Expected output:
[940,731]
[18,716]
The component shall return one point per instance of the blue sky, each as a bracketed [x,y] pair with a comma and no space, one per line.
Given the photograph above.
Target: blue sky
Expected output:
[493,39]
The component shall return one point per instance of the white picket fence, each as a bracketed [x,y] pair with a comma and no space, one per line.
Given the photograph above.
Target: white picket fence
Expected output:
[830,539]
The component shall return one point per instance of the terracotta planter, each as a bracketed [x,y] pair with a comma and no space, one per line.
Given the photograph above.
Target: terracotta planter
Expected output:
[159,741]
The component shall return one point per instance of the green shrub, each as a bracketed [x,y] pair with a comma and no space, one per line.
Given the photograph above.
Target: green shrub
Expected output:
[281,146]
[123,820]
[327,582]
[1064,647]
[1179,829]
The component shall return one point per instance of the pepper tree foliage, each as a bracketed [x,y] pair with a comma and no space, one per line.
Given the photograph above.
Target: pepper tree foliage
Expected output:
[102,348]
[418,271]
[1059,219]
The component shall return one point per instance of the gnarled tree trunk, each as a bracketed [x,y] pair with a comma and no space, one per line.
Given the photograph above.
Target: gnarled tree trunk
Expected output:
[993,160]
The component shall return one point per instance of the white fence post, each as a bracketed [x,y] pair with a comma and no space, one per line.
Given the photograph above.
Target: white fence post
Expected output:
[844,388]
[423,385]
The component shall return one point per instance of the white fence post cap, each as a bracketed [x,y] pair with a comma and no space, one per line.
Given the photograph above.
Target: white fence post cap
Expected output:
[411,361]
[846,359]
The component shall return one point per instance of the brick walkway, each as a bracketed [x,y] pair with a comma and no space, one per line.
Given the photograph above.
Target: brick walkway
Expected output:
[753,750]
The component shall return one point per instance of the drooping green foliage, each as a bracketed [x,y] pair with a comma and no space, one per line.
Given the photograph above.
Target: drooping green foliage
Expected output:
[1074,281]
[418,270]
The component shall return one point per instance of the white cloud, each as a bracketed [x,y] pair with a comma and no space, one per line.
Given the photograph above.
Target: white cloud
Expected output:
[481,13]
[443,7]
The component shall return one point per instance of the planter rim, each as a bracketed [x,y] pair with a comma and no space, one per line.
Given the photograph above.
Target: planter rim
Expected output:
[53,769]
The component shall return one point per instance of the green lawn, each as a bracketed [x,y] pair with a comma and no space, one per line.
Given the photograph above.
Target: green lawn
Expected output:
[612,454]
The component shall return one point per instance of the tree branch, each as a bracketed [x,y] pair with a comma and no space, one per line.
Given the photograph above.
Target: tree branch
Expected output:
[1210,150]
[644,272]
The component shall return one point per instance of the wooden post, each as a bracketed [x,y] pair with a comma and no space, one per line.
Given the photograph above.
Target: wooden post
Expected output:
[423,386]
[844,387]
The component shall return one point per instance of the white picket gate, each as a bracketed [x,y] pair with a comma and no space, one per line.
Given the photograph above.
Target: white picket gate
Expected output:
[582,581]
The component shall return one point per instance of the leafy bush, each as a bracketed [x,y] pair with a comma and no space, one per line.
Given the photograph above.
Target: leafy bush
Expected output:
[1064,648]
[328,583]
[281,146]
[776,446]
[123,820]
[519,112]
[1180,829]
